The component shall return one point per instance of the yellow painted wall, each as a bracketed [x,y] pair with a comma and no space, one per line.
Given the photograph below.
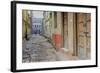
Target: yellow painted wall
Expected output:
[25,23]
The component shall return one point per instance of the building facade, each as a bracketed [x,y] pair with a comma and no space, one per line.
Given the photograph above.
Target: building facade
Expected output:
[48,22]
[36,23]
[26,25]
[52,27]
[69,31]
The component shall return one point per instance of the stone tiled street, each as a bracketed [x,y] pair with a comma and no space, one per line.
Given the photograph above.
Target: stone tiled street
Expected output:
[38,49]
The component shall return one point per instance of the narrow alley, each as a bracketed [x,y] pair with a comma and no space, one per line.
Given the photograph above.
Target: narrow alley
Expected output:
[55,36]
